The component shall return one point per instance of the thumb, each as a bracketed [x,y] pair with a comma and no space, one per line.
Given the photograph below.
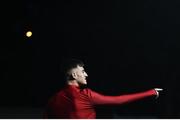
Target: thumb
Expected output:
[158,89]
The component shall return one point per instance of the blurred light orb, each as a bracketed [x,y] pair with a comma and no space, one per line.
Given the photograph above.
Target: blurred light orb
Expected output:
[28,33]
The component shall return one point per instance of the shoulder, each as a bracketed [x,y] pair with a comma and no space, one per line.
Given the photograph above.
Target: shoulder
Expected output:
[88,91]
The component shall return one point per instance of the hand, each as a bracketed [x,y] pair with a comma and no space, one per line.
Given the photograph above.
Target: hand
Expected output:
[157,91]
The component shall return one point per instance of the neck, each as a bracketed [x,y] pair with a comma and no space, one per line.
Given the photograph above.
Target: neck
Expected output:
[73,82]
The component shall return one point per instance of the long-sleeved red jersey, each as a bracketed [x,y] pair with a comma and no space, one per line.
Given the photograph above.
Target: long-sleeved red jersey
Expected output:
[73,102]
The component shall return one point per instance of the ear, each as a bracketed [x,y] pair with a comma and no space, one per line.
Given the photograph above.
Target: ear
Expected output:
[74,75]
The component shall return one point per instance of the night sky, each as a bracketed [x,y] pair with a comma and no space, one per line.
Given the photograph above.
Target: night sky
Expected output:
[127,46]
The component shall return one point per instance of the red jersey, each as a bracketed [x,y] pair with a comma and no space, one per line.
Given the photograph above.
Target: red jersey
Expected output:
[73,102]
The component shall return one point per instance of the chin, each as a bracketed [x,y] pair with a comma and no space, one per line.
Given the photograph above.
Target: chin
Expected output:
[84,83]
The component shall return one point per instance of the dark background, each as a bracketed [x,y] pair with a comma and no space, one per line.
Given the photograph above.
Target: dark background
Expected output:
[127,46]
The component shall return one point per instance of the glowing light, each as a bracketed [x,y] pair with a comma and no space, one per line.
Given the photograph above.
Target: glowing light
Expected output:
[29,34]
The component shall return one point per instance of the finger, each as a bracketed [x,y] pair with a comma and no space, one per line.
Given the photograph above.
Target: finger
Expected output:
[159,89]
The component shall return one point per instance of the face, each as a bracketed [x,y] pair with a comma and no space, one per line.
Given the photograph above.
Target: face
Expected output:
[79,75]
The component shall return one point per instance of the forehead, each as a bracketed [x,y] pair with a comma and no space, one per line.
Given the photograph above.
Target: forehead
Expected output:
[80,68]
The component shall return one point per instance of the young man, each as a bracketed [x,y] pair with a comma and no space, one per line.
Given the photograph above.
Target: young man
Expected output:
[77,102]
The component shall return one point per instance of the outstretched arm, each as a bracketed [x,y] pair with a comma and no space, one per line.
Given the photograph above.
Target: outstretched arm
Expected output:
[97,98]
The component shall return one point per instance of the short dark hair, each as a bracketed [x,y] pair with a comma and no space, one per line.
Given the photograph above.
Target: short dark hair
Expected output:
[69,64]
